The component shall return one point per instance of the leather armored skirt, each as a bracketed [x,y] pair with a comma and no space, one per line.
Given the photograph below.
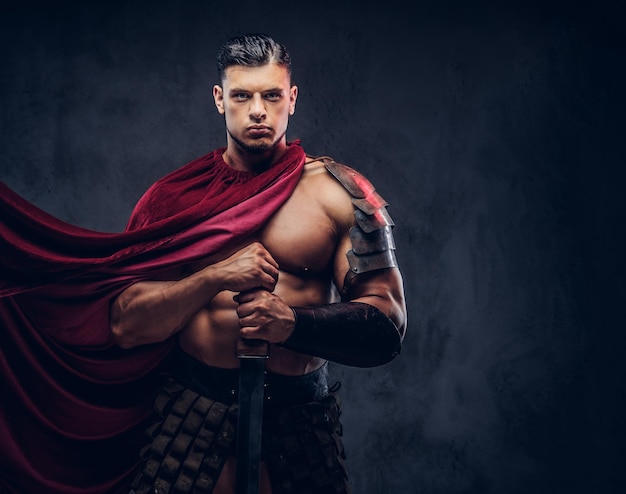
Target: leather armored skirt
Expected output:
[194,432]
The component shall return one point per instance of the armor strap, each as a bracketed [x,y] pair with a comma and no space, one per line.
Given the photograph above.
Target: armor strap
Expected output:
[349,333]
[373,247]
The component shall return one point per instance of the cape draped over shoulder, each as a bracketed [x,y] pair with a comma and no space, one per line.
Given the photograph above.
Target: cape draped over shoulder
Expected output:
[73,405]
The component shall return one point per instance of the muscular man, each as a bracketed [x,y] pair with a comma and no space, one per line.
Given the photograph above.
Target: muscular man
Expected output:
[281,285]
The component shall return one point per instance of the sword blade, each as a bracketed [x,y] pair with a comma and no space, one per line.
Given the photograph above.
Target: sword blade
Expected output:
[252,355]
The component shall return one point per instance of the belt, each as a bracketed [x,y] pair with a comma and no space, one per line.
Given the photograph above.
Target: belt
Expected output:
[220,384]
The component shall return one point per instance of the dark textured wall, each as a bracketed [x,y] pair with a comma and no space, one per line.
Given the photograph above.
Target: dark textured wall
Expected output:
[495,133]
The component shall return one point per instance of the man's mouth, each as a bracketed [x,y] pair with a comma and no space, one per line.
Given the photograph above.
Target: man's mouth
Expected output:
[259,130]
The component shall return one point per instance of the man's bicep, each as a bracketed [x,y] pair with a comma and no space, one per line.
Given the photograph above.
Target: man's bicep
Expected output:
[384,290]
[341,265]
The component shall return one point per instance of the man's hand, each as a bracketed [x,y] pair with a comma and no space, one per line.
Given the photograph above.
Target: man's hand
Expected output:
[265,316]
[248,268]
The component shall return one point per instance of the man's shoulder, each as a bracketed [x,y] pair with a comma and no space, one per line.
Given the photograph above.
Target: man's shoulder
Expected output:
[315,164]
[319,188]
[348,177]
[318,173]
[323,165]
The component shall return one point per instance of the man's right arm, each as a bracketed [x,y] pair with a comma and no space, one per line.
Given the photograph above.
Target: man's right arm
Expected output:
[152,311]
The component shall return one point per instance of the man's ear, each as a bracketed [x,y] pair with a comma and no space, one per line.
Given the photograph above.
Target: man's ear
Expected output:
[293,96]
[218,97]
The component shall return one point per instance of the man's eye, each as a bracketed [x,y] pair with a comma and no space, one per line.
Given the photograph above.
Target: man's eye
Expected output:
[272,96]
[240,96]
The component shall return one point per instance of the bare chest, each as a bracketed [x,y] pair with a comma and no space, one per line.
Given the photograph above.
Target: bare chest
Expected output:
[301,236]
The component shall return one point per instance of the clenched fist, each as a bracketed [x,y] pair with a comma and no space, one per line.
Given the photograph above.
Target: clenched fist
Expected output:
[264,316]
[248,268]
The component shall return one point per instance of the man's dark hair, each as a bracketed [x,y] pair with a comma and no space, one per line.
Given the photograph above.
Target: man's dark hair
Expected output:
[251,50]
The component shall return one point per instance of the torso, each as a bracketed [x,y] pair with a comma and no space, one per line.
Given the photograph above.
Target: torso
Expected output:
[302,237]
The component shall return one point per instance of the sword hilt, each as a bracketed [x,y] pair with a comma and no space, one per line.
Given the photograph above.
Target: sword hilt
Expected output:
[252,348]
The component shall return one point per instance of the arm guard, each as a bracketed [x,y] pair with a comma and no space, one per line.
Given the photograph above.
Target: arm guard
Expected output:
[349,333]
[373,247]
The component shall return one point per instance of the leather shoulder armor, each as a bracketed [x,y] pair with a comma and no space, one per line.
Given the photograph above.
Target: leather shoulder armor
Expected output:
[373,247]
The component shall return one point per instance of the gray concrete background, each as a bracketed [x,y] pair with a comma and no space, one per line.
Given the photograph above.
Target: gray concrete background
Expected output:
[494,132]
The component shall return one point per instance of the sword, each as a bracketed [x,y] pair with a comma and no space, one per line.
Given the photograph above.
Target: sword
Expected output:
[252,355]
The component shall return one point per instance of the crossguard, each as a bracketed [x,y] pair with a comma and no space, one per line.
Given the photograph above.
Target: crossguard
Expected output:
[253,349]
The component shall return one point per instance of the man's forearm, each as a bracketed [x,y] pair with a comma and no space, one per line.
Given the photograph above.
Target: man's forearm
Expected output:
[152,311]
[149,312]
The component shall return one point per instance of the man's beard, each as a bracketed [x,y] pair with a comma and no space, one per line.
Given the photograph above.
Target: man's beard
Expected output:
[259,147]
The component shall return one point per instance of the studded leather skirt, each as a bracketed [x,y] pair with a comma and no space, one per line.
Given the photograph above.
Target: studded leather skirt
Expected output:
[194,432]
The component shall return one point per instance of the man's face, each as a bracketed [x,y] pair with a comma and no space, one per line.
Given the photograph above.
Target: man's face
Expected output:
[256,103]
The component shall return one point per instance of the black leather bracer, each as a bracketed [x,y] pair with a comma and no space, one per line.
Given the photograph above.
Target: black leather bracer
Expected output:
[349,333]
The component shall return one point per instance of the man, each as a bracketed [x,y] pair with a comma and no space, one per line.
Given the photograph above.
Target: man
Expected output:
[277,285]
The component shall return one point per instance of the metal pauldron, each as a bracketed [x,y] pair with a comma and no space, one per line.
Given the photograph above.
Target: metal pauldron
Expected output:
[373,247]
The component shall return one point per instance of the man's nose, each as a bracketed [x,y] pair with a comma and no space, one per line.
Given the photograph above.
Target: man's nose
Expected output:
[257,107]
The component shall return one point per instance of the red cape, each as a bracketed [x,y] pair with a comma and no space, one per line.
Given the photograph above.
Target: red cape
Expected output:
[73,405]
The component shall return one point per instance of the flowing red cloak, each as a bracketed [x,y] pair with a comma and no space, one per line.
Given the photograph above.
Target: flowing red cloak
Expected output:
[73,405]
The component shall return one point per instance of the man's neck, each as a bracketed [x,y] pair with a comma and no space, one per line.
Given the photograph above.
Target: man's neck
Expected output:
[242,160]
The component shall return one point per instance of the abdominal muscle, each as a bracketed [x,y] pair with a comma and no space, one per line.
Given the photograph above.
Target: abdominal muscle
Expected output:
[212,333]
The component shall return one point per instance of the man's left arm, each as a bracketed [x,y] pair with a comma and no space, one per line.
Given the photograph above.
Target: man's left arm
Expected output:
[367,327]
[364,330]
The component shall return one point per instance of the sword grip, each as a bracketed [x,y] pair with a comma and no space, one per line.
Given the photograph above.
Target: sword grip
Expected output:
[252,348]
